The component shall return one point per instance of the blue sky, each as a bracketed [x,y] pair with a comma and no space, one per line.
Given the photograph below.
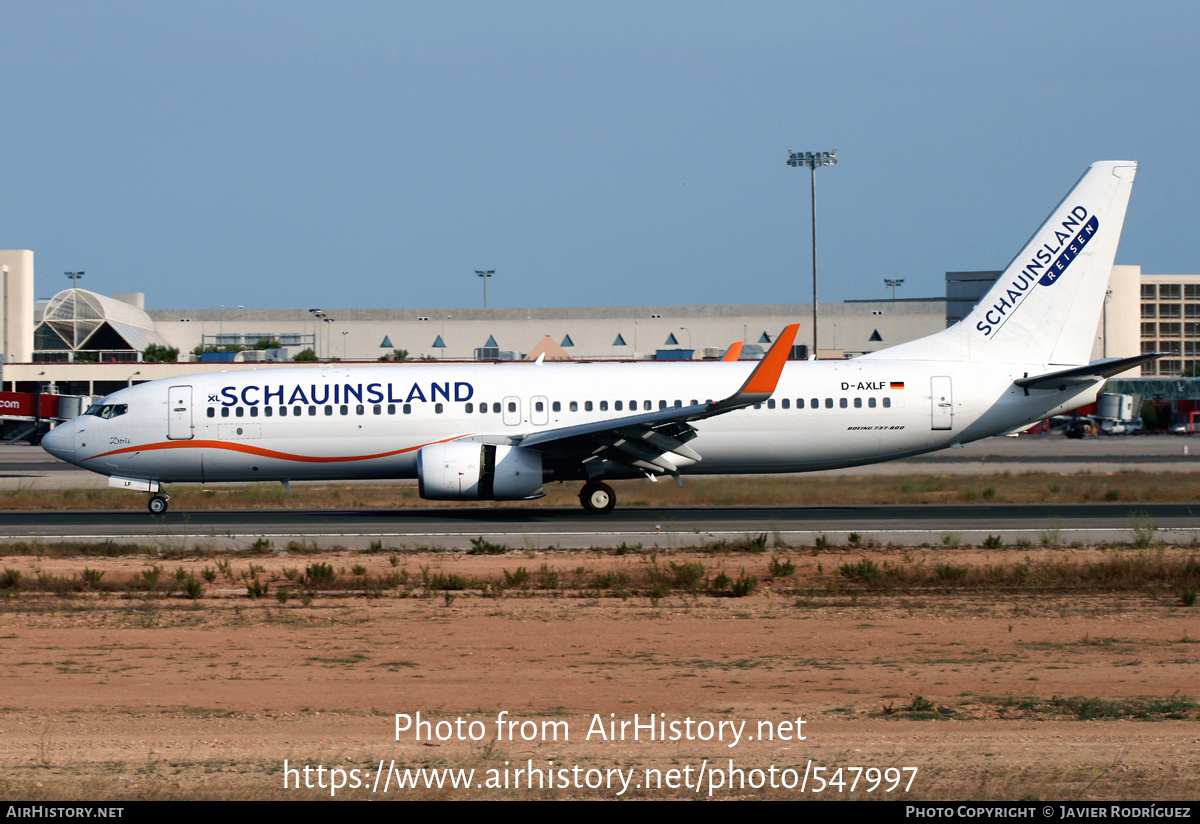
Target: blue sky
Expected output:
[362,154]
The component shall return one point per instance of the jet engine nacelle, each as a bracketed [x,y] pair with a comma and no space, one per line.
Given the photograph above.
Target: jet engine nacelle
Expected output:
[479,472]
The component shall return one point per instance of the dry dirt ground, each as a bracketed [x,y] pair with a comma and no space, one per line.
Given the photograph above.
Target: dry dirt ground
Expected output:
[135,695]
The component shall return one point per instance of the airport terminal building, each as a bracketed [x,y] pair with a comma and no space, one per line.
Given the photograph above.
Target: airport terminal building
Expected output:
[81,342]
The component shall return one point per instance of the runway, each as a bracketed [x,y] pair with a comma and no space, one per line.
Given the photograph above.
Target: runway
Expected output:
[570,528]
[540,528]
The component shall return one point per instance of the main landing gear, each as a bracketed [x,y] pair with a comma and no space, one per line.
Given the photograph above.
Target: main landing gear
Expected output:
[158,504]
[597,498]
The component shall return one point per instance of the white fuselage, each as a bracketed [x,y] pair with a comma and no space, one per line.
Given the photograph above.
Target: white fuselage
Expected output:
[348,422]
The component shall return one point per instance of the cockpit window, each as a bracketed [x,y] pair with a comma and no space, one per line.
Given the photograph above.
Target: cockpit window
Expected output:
[107,410]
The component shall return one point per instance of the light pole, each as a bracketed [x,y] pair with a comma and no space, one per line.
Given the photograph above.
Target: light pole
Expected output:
[893,283]
[74,276]
[485,274]
[812,160]
[317,315]
[328,347]
[689,331]
[344,344]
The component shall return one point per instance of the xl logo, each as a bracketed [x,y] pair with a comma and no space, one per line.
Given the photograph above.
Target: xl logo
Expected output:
[213,398]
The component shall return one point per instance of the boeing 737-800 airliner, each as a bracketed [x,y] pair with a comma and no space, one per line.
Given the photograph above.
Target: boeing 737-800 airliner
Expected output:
[501,431]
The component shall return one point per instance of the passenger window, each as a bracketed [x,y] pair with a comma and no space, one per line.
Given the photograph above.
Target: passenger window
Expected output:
[408,409]
[887,403]
[469,408]
[240,412]
[556,406]
[771,403]
[816,403]
[312,411]
[871,402]
[512,406]
[758,406]
[496,408]
[694,401]
[224,411]
[254,411]
[437,407]
[574,406]
[679,404]
[603,406]
[617,406]
[842,403]
[829,403]
[858,403]
[391,409]
[212,413]
[662,404]
[377,409]
[647,405]
[799,403]
[283,411]
[786,403]
[359,409]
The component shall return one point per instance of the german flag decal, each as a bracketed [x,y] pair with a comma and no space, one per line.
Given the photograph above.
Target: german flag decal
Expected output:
[897,384]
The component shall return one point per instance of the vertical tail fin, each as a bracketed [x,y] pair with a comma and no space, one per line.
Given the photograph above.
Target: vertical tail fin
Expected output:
[1046,305]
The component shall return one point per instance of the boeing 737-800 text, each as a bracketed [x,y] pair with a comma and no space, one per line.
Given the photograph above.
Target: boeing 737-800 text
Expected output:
[501,431]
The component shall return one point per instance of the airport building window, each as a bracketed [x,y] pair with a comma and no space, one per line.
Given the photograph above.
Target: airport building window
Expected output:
[1170,291]
[1170,310]
[1149,291]
[1149,330]
[1169,330]
[1170,367]
[1149,310]
[1191,310]
[1191,291]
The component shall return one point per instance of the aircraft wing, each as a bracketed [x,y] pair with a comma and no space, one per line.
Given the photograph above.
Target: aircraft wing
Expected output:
[1080,375]
[644,440]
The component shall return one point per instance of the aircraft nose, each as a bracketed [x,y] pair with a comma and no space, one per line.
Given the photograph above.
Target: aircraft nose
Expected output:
[60,442]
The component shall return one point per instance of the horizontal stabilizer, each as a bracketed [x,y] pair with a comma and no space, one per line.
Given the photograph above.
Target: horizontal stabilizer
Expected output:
[1081,375]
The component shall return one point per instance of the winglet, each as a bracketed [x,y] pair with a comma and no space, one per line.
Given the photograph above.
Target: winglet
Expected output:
[762,381]
[733,352]
[764,377]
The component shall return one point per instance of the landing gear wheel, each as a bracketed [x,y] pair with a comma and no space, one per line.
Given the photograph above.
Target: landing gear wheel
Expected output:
[597,498]
[158,505]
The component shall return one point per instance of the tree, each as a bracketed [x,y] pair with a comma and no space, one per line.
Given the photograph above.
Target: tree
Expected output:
[396,355]
[305,355]
[268,343]
[157,353]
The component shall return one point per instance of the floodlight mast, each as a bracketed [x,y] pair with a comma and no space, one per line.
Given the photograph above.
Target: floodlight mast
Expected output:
[812,160]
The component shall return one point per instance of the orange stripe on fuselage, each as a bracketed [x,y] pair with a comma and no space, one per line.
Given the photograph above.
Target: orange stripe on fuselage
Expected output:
[266,453]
